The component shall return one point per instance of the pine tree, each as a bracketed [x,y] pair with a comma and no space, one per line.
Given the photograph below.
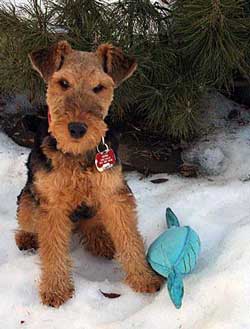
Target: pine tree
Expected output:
[184,50]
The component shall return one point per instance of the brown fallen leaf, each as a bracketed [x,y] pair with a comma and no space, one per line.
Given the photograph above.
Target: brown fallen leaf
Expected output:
[109,294]
[188,170]
[159,180]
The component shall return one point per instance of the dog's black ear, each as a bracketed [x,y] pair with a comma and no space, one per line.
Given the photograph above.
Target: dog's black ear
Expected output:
[115,63]
[48,60]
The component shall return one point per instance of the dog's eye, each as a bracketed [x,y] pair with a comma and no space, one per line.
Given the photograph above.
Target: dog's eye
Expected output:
[98,89]
[64,84]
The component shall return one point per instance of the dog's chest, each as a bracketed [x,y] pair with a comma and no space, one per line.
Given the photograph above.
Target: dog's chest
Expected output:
[69,183]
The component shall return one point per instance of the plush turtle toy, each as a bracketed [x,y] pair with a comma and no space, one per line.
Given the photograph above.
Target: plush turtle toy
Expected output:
[173,254]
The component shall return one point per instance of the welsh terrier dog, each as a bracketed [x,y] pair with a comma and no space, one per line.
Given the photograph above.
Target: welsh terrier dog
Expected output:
[74,186]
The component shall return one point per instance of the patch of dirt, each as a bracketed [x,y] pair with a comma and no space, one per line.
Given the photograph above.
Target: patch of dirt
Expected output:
[13,126]
[149,155]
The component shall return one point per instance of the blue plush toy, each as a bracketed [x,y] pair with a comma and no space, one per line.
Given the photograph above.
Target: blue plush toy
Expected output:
[173,254]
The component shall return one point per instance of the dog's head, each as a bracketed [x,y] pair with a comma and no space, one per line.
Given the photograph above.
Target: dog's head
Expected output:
[80,90]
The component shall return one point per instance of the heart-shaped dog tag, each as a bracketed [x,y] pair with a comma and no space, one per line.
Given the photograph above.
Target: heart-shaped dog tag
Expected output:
[105,160]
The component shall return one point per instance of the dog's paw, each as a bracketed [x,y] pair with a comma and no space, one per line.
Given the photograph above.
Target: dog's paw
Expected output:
[145,282]
[26,240]
[56,297]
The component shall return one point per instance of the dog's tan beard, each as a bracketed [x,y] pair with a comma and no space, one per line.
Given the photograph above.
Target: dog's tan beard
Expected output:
[96,130]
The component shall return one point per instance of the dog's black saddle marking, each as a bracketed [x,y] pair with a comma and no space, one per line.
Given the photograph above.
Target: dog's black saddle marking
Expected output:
[82,212]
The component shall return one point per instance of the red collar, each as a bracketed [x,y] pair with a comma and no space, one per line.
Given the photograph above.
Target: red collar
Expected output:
[49,117]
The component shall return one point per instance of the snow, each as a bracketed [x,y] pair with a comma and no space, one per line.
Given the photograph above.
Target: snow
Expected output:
[217,293]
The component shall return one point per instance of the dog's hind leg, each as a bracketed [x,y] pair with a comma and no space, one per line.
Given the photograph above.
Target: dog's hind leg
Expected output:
[96,239]
[26,236]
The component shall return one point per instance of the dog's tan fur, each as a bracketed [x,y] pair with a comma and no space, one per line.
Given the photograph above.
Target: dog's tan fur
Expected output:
[43,215]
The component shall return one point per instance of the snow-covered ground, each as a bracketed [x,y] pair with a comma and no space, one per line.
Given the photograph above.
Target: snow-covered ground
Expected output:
[217,293]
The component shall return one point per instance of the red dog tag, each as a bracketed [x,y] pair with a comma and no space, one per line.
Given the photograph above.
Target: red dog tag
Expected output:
[105,160]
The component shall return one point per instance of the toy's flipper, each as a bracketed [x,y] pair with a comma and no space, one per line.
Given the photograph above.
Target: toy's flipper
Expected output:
[175,288]
[172,220]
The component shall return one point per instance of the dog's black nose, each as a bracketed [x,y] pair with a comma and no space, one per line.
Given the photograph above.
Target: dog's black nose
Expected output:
[77,129]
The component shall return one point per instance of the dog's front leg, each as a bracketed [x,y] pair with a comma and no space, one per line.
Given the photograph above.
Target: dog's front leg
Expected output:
[54,231]
[119,217]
